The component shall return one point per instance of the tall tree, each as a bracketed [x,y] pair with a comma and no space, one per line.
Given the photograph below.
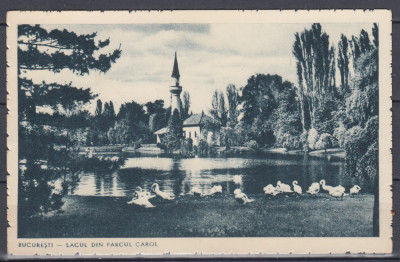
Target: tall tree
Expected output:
[132,121]
[218,107]
[112,111]
[157,115]
[174,136]
[314,71]
[343,63]
[55,50]
[260,98]
[360,45]
[99,108]
[155,107]
[186,105]
[286,119]
[233,102]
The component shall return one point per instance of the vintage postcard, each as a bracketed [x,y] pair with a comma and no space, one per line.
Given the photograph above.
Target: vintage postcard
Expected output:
[182,133]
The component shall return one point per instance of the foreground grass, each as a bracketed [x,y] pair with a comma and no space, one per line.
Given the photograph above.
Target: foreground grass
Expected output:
[217,216]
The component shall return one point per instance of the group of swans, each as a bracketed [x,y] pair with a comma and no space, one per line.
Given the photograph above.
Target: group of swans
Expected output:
[141,197]
[314,189]
[196,191]
[281,188]
[241,197]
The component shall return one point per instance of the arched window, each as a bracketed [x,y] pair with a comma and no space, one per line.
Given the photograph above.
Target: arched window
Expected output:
[190,134]
[195,134]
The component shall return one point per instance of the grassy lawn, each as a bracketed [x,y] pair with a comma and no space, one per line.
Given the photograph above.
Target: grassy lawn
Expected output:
[217,216]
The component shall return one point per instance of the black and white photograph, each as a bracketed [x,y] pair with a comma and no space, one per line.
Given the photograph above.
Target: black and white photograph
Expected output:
[188,129]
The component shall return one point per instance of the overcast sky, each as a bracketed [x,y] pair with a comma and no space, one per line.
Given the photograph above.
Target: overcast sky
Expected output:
[210,57]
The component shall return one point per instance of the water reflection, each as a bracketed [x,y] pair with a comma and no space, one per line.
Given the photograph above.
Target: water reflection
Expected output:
[179,176]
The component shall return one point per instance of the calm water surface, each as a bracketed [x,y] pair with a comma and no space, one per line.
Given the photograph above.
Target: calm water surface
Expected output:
[180,175]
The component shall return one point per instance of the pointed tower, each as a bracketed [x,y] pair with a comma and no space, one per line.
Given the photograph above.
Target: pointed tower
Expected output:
[175,89]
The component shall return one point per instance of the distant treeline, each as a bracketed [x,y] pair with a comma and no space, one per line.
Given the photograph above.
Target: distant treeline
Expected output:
[319,111]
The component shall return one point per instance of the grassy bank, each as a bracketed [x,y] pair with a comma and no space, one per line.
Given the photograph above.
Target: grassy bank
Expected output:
[218,216]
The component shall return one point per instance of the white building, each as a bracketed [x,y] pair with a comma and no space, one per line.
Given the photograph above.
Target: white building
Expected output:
[197,126]
[201,126]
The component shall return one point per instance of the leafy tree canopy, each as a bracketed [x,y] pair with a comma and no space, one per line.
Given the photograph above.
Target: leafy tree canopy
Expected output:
[39,49]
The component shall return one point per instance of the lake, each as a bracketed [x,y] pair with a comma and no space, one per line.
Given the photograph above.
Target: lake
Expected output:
[101,199]
[180,175]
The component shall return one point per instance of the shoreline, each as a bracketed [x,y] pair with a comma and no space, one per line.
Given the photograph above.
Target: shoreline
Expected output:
[234,150]
[332,152]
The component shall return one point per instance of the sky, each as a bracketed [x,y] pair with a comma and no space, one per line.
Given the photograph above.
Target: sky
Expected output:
[210,56]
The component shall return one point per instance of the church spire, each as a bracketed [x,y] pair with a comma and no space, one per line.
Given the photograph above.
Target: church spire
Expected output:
[175,70]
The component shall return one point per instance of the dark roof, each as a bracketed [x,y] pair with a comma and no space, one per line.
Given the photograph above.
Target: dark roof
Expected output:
[175,70]
[193,120]
[198,120]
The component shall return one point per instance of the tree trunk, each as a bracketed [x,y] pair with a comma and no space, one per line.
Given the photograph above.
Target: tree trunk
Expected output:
[375,215]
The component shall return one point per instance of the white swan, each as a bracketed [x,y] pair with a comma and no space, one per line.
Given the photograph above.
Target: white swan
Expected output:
[141,201]
[195,191]
[164,195]
[338,188]
[215,190]
[337,193]
[324,186]
[237,179]
[284,188]
[354,190]
[141,193]
[297,188]
[241,197]
[313,189]
[270,190]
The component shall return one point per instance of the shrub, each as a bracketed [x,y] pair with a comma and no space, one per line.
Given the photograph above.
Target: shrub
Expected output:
[324,142]
[361,146]
[335,142]
[312,138]
[253,145]
[340,134]
[292,142]
[352,149]
[202,147]
[188,145]
[288,141]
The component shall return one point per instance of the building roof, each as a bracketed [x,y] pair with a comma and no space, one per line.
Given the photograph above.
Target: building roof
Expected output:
[198,120]
[175,70]
[161,131]
[193,120]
